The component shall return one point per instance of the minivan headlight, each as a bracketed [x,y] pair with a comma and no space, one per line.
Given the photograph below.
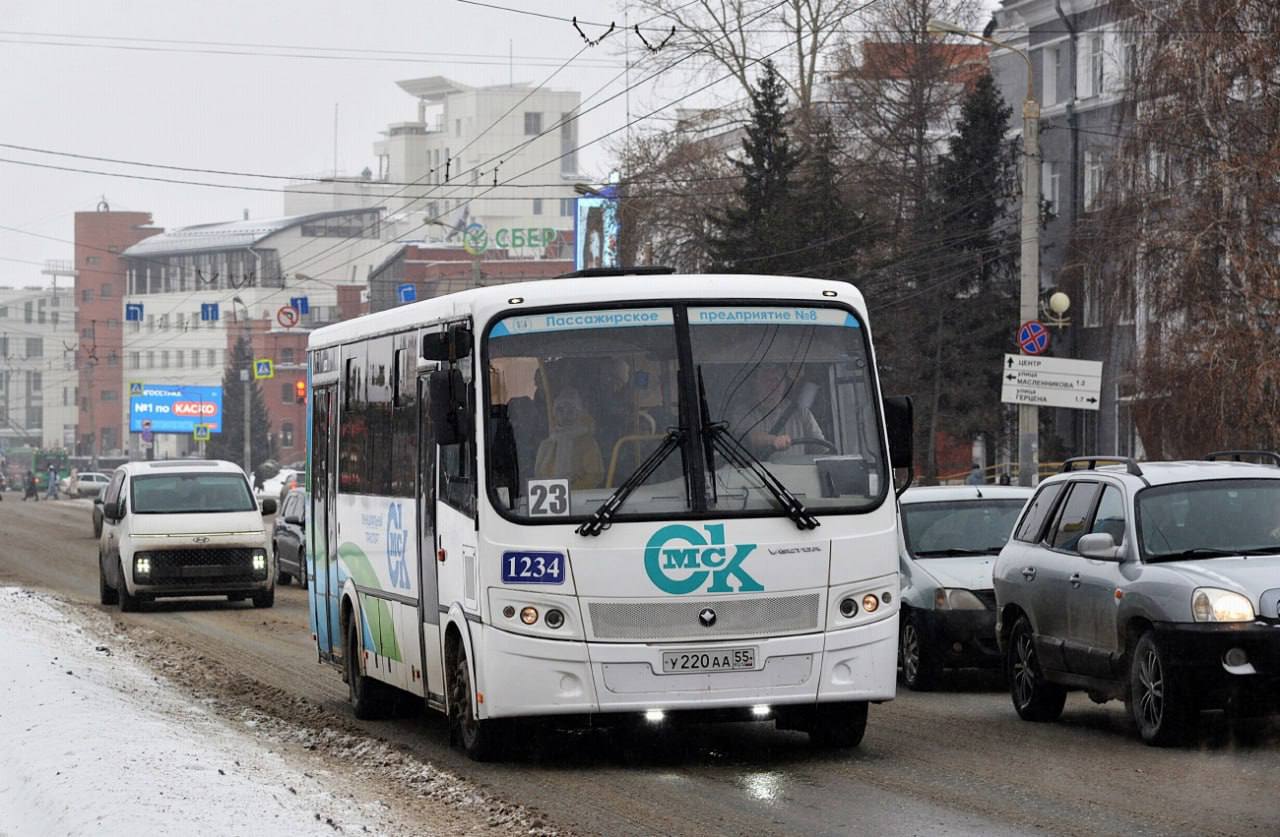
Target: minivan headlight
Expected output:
[260,563]
[954,598]
[1209,604]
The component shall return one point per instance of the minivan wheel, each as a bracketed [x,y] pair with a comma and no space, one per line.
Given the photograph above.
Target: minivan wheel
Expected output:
[128,602]
[1158,700]
[106,593]
[266,598]
[919,662]
[1034,697]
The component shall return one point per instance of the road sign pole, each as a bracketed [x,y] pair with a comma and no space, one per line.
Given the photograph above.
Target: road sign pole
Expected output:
[1029,415]
[247,382]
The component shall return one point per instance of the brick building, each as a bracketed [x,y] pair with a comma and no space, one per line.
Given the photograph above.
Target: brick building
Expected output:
[436,270]
[287,415]
[100,239]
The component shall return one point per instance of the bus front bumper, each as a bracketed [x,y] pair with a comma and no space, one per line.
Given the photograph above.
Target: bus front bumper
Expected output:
[528,676]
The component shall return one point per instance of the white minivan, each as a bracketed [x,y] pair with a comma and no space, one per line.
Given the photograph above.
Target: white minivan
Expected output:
[183,528]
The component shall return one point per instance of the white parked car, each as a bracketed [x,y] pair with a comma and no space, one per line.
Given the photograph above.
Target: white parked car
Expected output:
[951,537]
[183,528]
[275,486]
[88,484]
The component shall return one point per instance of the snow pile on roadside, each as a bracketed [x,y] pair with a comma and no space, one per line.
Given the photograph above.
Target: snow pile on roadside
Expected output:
[90,743]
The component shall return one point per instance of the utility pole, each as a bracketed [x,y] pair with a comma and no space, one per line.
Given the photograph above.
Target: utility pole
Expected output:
[246,383]
[1029,276]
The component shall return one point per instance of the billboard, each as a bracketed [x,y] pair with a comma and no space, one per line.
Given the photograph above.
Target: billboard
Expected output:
[174,409]
[596,233]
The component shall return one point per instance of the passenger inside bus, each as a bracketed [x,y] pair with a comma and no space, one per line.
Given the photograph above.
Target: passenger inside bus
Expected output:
[571,450]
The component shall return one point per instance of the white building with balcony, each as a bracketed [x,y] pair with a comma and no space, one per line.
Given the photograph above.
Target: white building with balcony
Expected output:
[38,377]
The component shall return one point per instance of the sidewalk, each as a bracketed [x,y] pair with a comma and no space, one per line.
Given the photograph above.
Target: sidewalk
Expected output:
[91,743]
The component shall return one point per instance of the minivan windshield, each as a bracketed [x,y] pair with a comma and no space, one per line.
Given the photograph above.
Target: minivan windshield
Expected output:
[1212,518]
[582,402]
[959,527]
[191,492]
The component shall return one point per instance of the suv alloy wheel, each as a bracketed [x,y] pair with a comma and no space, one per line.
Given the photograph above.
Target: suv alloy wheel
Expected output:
[1035,698]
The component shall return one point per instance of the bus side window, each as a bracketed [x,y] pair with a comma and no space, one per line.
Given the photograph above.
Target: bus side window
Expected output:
[458,461]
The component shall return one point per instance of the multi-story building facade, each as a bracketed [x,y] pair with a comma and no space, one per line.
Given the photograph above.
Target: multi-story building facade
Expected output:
[435,271]
[439,171]
[1081,63]
[101,238]
[249,270]
[38,378]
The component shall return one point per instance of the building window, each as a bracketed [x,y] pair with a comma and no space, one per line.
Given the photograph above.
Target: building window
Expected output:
[113,359]
[151,322]
[195,358]
[1092,298]
[286,393]
[1092,179]
[532,124]
[113,324]
[537,206]
[1051,62]
[164,358]
[40,314]
[134,360]
[1097,65]
[566,207]
[27,312]
[105,291]
[212,357]
[86,295]
[108,395]
[164,322]
[286,355]
[1130,57]
[91,259]
[151,360]
[568,144]
[179,358]
[4,312]
[35,347]
[1050,182]
[457,127]
[286,435]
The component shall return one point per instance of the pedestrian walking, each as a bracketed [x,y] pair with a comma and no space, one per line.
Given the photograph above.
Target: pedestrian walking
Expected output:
[30,492]
[51,491]
[975,475]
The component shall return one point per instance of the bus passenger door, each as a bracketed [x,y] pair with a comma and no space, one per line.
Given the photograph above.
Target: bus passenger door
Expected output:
[429,596]
[323,523]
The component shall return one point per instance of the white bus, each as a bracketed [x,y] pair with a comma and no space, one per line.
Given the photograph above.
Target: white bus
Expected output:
[606,497]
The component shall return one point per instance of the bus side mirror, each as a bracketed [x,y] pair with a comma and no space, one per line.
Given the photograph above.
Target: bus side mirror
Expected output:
[899,420]
[452,344]
[447,406]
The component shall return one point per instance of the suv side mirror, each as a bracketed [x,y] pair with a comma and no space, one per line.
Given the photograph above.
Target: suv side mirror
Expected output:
[269,506]
[115,511]
[1100,546]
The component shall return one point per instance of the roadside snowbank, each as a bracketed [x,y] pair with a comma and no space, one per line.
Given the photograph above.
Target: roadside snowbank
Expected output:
[91,743]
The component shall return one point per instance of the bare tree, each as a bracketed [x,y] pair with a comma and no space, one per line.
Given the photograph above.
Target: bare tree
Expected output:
[733,35]
[1185,239]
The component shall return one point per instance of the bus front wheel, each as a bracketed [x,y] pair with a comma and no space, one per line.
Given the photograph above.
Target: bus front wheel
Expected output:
[478,739]
[838,725]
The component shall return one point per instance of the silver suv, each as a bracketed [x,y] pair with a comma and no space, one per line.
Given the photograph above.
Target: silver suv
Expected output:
[1157,584]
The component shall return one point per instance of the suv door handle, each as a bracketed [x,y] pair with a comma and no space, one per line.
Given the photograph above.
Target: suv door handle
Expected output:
[1029,573]
[1075,579]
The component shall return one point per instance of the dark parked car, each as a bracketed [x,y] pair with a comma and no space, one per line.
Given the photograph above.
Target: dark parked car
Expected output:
[289,539]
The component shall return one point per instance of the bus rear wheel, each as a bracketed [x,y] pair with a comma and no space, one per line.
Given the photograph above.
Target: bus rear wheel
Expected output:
[838,725]
[478,739]
[371,700]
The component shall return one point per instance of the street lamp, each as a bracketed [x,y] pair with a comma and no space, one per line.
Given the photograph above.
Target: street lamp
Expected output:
[246,382]
[1028,414]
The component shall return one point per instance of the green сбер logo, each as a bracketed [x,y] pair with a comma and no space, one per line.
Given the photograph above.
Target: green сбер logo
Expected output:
[679,560]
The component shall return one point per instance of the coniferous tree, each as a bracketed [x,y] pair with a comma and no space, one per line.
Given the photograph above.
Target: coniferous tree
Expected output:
[229,444]
[831,234]
[748,236]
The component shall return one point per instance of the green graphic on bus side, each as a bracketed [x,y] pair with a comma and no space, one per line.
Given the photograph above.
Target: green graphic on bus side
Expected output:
[377,613]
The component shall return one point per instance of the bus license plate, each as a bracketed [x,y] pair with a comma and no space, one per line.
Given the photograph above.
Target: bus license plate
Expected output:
[722,659]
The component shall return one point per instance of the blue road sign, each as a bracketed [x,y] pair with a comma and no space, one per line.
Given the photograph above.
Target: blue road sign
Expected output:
[1033,338]
[300,304]
[406,292]
[133,312]
[263,369]
[208,311]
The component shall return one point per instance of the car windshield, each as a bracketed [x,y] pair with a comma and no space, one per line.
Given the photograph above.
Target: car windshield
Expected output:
[958,527]
[1212,518]
[579,400]
[199,492]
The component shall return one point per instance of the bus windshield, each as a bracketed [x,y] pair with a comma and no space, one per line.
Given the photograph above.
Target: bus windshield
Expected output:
[579,400]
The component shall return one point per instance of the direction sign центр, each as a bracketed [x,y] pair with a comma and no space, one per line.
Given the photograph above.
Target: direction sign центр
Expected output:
[1051,382]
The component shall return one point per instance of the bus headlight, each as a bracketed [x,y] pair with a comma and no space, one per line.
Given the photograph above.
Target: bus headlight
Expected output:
[1209,604]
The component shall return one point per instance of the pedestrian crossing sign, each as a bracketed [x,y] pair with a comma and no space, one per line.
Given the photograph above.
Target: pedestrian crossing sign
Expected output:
[135,389]
[201,432]
[263,368]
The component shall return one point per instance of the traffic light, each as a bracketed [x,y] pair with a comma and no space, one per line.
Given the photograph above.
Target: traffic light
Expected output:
[300,391]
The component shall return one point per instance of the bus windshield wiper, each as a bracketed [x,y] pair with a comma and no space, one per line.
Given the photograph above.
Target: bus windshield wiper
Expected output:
[602,518]
[738,455]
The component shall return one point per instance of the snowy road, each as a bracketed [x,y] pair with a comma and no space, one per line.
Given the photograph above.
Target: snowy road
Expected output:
[952,762]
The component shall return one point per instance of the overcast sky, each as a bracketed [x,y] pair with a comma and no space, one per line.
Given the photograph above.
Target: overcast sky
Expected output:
[256,110]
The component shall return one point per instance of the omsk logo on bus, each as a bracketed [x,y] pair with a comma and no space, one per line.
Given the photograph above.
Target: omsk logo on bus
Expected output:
[679,560]
[397,547]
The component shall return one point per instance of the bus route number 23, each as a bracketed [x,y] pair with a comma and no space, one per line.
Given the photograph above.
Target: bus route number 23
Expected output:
[548,498]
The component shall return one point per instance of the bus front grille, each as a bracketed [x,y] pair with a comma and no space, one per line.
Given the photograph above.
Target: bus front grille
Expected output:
[642,621]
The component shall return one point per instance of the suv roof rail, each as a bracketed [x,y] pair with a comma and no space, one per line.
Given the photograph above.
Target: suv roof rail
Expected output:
[596,272]
[1235,455]
[1091,462]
